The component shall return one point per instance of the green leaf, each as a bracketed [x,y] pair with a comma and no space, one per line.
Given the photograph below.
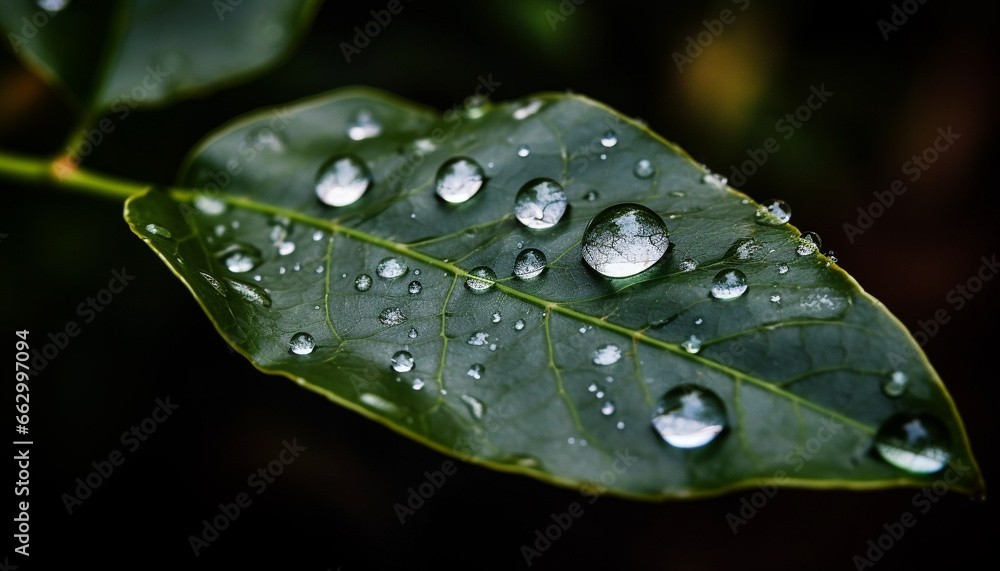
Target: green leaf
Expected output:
[800,379]
[150,52]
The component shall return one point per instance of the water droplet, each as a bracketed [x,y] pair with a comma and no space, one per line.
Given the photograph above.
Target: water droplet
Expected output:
[418,384]
[363,126]
[745,248]
[715,180]
[624,240]
[643,169]
[251,293]
[239,258]
[459,179]
[608,408]
[677,193]
[158,230]
[475,406]
[257,278]
[529,264]
[317,235]
[402,361]
[476,371]
[497,318]
[493,346]
[591,195]
[609,139]
[391,268]
[214,283]
[391,316]
[607,355]
[265,138]
[528,110]
[414,287]
[479,338]
[689,416]
[692,344]
[413,333]
[379,403]
[519,324]
[699,321]
[592,387]
[774,212]
[783,268]
[285,248]
[895,385]
[688,265]
[729,284]
[342,180]
[776,298]
[620,425]
[209,206]
[301,344]
[809,242]
[362,283]
[523,151]
[915,443]
[53,6]
[480,279]
[540,203]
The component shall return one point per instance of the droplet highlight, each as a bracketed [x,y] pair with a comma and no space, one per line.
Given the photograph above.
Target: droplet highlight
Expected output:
[729,284]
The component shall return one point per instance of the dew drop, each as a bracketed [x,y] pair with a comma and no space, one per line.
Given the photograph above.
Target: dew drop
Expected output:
[380,403]
[540,203]
[620,425]
[745,249]
[317,235]
[239,258]
[158,230]
[774,212]
[479,338]
[214,283]
[391,268]
[689,416]
[529,264]
[609,139]
[402,361]
[692,344]
[459,179]
[607,355]
[523,151]
[475,406]
[714,180]
[624,240]
[414,287]
[643,169]
[391,316]
[413,333]
[688,265]
[776,298]
[480,279]
[53,6]
[209,206]
[418,384]
[497,318]
[301,344]
[363,282]
[591,195]
[915,443]
[342,180]
[476,371]
[251,293]
[363,126]
[783,269]
[285,248]
[519,324]
[528,110]
[809,242]
[895,385]
[729,284]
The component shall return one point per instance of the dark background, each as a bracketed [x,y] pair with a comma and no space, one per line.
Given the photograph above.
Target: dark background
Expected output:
[333,507]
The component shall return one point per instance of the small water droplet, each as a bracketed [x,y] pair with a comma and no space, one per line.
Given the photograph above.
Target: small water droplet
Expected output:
[257,278]
[609,139]
[391,316]
[418,384]
[540,203]
[895,385]
[480,279]
[689,416]
[208,205]
[476,371]
[317,235]
[497,318]
[479,338]
[379,403]
[529,264]
[624,240]
[677,193]
[214,283]
[832,255]
[620,425]
[643,169]
[342,180]
[783,268]
[699,321]
[251,293]
[776,298]
[391,268]
[692,344]
[591,196]
[285,248]
[607,355]
[158,230]
[459,179]
[915,443]
[413,333]
[528,110]
[729,284]
[239,258]
[714,180]
[493,346]
[301,344]
[414,287]
[363,126]
[52,6]
[416,272]
[608,408]
[519,324]
[774,212]
[523,151]
[402,361]
[809,242]
[362,283]
[475,406]
[688,265]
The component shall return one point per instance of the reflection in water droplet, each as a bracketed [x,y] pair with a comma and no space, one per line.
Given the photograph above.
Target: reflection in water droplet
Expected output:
[475,406]
[643,169]
[391,316]
[609,139]
[480,279]
[413,333]
[624,240]
[519,324]
[459,179]
[523,151]
[342,180]
[529,264]
[391,268]
[607,355]
[608,409]
[402,361]
[692,344]
[414,287]
[476,371]
[363,282]
[729,284]
[774,212]
[540,203]
[688,265]
[915,443]
[809,242]
[689,416]
[895,385]
[158,230]
[363,126]
[301,344]
[251,293]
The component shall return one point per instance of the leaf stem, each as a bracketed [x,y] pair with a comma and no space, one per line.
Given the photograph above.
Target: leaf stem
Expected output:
[63,173]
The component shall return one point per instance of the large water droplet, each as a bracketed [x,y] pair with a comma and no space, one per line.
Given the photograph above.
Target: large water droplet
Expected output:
[607,355]
[609,139]
[239,258]
[391,268]
[301,344]
[809,242]
[363,282]
[414,287]
[895,385]
[729,284]
[342,180]
[689,416]
[529,264]
[523,151]
[915,443]
[459,179]
[251,293]
[158,230]
[774,212]
[643,169]
[624,240]
[476,371]
[391,316]
[480,279]
[363,126]
[402,361]
[540,203]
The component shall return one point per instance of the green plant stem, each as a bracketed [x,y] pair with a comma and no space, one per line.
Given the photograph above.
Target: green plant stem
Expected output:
[63,175]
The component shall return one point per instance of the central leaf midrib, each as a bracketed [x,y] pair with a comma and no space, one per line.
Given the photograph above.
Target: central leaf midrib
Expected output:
[405,250]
